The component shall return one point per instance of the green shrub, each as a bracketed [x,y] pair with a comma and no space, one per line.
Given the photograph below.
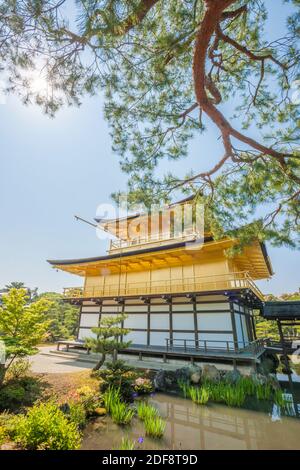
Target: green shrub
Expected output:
[89,399]
[46,427]
[19,368]
[3,435]
[11,396]
[199,395]
[146,411]
[77,414]
[155,427]
[118,376]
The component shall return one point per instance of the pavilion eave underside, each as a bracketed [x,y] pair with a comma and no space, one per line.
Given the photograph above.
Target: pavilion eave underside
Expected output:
[252,260]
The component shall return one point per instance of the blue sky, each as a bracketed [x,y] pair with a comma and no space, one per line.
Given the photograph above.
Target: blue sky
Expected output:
[52,169]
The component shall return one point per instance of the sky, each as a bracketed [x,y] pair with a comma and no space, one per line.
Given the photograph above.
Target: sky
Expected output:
[51,169]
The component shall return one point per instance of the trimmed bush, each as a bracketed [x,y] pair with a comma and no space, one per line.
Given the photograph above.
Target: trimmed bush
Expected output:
[46,427]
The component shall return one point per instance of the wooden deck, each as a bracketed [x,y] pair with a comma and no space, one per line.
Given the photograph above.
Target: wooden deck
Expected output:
[250,353]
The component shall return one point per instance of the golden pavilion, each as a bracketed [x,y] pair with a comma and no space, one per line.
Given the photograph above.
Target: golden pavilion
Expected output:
[183,296]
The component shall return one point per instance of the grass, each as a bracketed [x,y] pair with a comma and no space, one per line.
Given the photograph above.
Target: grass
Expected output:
[199,395]
[264,391]
[155,427]
[146,411]
[126,444]
[234,396]
[120,412]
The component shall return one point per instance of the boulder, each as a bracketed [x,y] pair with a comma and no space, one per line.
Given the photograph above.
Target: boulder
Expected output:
[166,381]
[100,411]
[196,377]
[183,374]
[210,372]
[232,376]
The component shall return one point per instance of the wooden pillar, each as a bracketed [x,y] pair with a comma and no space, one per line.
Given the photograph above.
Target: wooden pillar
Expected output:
[235,338]
[170,320]
[285,356]
[148,322]
[194,299]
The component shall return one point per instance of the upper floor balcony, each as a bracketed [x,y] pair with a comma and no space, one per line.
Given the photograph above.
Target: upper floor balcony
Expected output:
[219,282]
[152,241]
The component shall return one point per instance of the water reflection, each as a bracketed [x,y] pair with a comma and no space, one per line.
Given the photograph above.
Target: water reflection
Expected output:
[190,426]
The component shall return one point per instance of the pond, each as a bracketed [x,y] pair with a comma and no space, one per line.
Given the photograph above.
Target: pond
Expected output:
[191,426]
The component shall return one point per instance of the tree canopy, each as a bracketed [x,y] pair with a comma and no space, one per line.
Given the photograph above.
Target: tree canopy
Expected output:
[169,70]
[22,326]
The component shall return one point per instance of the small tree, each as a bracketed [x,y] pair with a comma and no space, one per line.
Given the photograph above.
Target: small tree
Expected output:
[22,326]
[108,338]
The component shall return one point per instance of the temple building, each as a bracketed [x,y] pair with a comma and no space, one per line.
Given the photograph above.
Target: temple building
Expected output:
[182,294]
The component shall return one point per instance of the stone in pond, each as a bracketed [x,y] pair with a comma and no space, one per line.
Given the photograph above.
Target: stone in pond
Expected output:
[196,377]
[210,372]
[100,411]
[232,376]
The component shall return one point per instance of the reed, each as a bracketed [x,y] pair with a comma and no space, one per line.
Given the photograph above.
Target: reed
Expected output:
[155,427]
[234,396]
[184,388]
[121,413]
[247,384]
[146,411]
[263,391]
[112,395]
[199,395]
[126,444]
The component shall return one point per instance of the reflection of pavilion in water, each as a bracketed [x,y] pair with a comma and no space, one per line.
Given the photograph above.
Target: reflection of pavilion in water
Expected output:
[190,426]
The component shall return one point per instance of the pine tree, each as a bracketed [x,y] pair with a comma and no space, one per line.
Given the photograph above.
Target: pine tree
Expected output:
[109,338]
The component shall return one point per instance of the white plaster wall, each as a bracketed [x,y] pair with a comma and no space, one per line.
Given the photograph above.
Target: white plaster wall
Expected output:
[136,320]
[158,338]
[183,308]
[244,326]
[184,335]
[183,321]
[159,321]
[137,337]
[114,309]
[136,308]
[85,333]
[89,309]
[221,338]
[238,328]
[209,307]
[214,321]
[89,319]
[159,308]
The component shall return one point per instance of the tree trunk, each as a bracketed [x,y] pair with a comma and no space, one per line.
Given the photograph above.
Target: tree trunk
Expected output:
[100,363]
[2,374]
[115,355]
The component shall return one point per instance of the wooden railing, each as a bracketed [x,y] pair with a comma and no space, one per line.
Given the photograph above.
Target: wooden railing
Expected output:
[220,282]
[157,240]
[189,345]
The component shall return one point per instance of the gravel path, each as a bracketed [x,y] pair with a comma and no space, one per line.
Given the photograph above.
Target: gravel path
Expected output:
[44,363]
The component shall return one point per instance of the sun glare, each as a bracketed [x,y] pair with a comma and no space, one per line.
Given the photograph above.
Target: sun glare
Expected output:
[38,84]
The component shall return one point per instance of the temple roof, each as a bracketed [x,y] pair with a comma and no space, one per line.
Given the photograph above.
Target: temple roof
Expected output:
[253,259]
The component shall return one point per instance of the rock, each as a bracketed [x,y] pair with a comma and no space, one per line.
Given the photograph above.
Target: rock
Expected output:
[100,411]
[183,374]
[259,379]
[196,377]
[166,381]
[99,425]
[273,381]
[232,376]
[210,372]
[269,364]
